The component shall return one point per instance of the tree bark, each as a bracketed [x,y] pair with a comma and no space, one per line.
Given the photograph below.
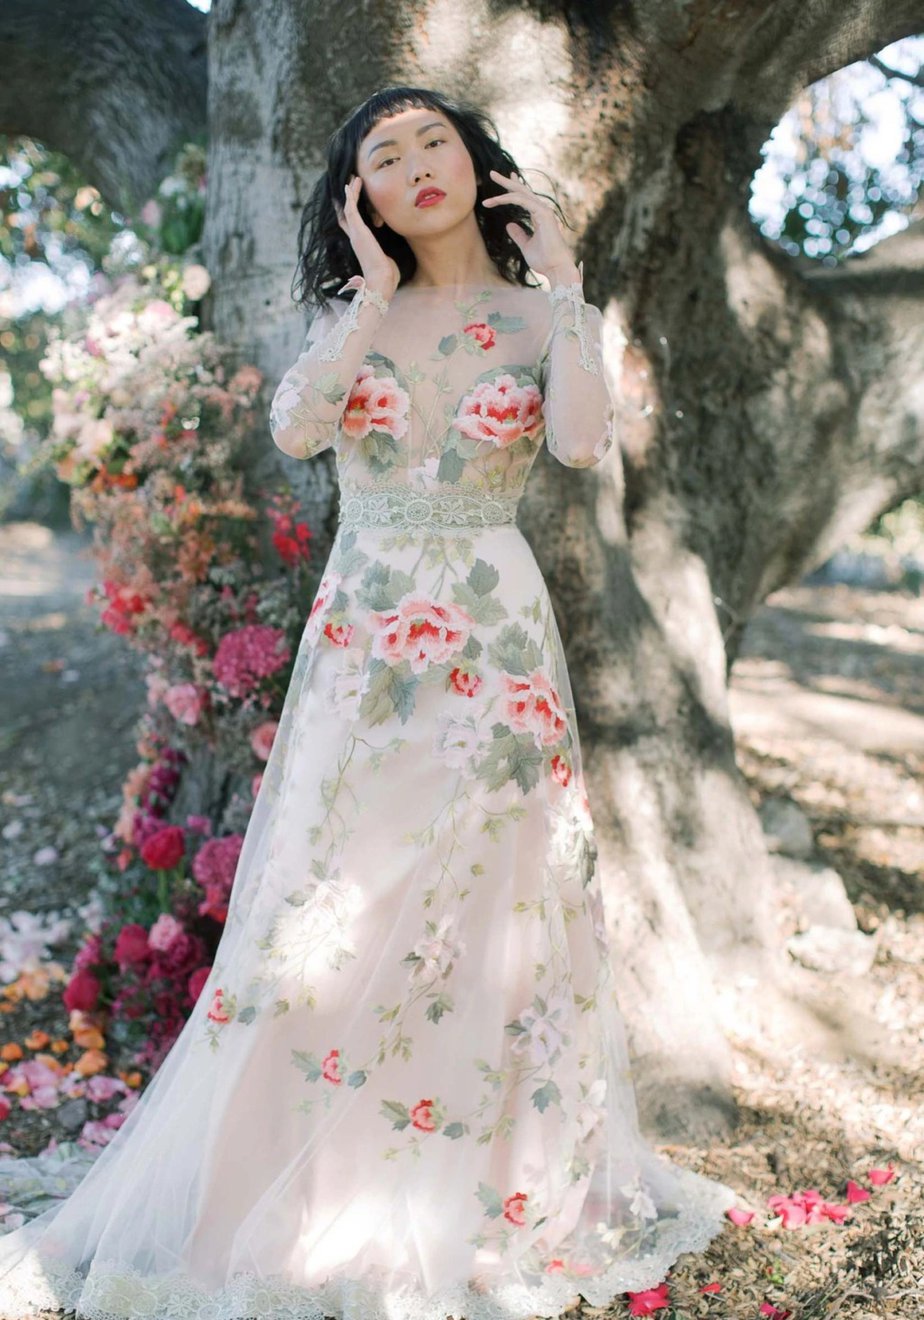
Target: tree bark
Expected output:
[117,85]
[768,408]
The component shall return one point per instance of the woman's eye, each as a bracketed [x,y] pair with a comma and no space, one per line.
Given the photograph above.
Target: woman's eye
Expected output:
[388,159]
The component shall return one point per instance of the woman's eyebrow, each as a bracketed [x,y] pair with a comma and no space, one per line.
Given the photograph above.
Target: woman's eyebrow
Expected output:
[391,142]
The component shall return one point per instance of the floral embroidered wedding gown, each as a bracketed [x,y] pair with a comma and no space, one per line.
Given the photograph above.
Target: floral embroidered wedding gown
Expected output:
[404,1093]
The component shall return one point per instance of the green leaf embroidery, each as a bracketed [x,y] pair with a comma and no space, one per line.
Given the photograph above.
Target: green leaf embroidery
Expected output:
[547,1094]
[491,1200]
[397,1112]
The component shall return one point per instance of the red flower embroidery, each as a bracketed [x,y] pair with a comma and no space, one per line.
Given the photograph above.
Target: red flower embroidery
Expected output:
[561,770]
[341,634]
[216,1011]
[422,1116]
[465,682]
[515,1208]
[330,1067]
[482,333]
[534,706]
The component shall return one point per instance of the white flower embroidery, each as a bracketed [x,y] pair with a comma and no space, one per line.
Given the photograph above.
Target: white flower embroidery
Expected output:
[642,1205]
[438,949]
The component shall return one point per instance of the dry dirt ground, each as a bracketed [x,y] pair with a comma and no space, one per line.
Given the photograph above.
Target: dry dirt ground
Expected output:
[828,710]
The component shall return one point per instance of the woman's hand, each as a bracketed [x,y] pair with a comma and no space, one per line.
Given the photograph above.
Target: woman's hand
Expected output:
[380,272]
[546,251]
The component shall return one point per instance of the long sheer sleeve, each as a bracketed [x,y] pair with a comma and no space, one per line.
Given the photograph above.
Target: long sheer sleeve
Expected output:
[311,397]
[579,407]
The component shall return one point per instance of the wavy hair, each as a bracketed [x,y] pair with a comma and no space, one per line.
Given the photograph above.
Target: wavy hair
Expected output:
[326,259]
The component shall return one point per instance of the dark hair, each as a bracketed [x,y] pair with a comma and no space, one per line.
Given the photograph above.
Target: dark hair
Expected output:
[326,259]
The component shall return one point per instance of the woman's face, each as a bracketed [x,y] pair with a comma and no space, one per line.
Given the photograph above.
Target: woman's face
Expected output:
[407,152]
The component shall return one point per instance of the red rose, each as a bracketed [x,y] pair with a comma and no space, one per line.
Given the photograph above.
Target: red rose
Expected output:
[163,850]
[82,991]
[422,1116]
[464,681]
[196,983]
[132,945]
[481,333]
[515,1208]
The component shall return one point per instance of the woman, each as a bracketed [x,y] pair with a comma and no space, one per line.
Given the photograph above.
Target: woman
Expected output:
[405,1090]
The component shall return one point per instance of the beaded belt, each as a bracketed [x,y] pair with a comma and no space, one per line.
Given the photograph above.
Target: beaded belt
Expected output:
[405,507]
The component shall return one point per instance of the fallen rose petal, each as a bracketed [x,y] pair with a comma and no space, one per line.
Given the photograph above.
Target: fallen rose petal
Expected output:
[857,1193]
[711,1288]
[648,1300]
[738,1216]
[878,1177]
[773,1312]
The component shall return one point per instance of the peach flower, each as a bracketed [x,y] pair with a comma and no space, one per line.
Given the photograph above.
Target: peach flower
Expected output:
[376,403]
[500,410]
[420,630]
[534,706]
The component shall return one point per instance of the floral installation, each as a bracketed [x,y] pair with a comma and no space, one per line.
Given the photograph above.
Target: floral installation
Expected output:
[204,575]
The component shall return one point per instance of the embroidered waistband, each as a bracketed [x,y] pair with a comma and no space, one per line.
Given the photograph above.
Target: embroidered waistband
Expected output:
[405,507]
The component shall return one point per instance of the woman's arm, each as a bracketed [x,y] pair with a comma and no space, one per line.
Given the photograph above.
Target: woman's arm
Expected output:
[312,395]
[579,408]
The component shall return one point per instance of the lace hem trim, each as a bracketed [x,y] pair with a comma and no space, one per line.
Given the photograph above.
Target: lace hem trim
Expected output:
[111,1291]
[572,295]
[405,507]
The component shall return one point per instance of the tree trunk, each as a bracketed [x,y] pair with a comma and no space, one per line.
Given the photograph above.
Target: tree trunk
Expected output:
[768,409]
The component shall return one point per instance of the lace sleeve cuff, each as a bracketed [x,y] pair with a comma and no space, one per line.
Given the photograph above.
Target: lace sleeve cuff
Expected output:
[333,348]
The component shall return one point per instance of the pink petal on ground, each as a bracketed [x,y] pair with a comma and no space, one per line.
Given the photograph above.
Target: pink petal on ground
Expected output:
[880,1176]
[857,1193]
[740,1217]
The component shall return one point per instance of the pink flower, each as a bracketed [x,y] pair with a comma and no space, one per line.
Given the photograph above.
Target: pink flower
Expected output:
[163,850]
[164,931]
[422,1116]
[184,702]
[807,1207]
[131,946]
[196,983]
[216,1010]
[340,634]
[465,682]
[534,706]
[247,655]
[330,1066]
[483,334]
[376,403]
[326,592]
[649,1300]
[515,1208]
[420,630]
[500,411]
[261,740]
[100,1087]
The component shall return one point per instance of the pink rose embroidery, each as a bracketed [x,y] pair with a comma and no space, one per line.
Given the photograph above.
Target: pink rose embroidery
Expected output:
[420,630]
[482,333]
[465,682]
[376,403]
[322,601]
[330,1067]
[500,410]
[340,634]
[515,1208]
[561,770]
[533,706]
[422,1116]
[216,1011]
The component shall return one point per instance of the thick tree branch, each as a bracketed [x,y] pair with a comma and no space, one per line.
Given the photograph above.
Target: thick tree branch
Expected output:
[118,86]
[916,79]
